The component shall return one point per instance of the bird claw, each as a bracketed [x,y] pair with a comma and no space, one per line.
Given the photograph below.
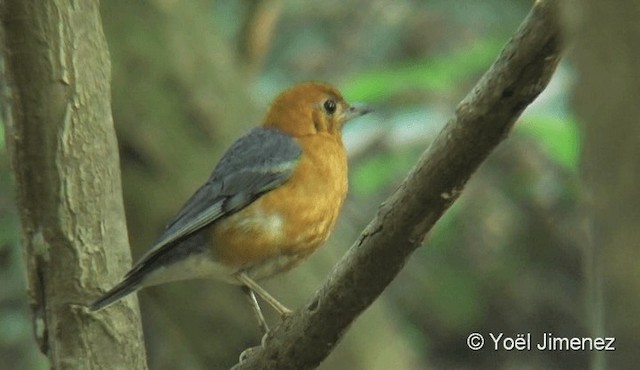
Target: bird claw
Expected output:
[249,352]
[263,341]
[284,315]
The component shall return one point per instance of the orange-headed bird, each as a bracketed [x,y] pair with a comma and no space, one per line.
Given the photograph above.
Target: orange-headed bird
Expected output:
[272,200]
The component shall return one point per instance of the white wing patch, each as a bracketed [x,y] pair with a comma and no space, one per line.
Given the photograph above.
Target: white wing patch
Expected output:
[271,223]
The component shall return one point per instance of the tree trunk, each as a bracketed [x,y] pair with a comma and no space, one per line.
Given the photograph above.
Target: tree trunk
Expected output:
[63,149]
[606,54]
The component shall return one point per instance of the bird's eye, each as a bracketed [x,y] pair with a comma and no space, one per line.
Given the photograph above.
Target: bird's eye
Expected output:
[330,106]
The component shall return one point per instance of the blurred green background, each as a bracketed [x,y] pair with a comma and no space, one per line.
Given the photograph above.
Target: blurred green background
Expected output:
[189,77]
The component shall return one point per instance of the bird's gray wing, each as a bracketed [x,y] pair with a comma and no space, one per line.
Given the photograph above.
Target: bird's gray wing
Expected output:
[256,163]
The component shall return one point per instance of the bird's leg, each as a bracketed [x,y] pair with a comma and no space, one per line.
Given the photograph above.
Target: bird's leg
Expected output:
[261,322]
[256,309]
[247,281]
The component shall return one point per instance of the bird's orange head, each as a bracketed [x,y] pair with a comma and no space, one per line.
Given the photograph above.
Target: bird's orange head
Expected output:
[309,109]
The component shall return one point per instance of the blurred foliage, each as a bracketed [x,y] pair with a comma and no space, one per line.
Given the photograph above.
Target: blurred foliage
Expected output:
[379,170]
[438,74]
[559,138]
[504,258]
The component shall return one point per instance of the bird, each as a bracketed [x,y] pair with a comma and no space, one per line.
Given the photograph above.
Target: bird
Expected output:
[272,199]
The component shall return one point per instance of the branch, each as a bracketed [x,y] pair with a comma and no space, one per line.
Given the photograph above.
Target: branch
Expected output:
[482,120]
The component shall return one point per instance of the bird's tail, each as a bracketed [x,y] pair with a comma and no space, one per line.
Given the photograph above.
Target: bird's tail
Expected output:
[129,285]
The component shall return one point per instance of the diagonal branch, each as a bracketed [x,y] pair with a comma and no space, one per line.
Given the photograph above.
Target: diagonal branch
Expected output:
[482,120]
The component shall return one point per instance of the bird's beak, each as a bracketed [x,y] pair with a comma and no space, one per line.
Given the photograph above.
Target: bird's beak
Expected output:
[356,110]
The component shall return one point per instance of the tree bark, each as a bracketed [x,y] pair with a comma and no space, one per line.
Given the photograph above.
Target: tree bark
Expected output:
[63,150]
[483,119]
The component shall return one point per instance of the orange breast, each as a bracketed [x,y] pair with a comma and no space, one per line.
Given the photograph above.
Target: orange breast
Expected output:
[286,224]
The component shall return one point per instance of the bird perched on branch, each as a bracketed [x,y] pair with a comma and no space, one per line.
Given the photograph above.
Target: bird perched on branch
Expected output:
[272,200]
